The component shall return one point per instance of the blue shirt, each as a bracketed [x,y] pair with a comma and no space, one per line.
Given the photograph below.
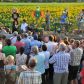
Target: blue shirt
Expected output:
[40,66]
[63,18]
[60,61]
[10,67]
[36,43]
[27,45]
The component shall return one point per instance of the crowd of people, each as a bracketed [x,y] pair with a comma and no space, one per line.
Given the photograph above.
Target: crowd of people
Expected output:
[32,58]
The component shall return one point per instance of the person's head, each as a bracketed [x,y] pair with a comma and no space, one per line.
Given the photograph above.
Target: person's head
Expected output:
[72,41]
[46,39]
[8,42]
[66,42]
[32,63]
[25,35]
[24,21]
[38,8]
[83,10]
[76,43]
[35,49]
[18,38]
[21,50]
[44,47]
[30,33]
[47,11]
[10,59]
[14,10]
[15,33]
[66,39]
[51,38]
[62,47]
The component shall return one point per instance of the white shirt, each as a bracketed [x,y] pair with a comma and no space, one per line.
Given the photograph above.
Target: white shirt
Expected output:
[51,47]
[23,26]
[21,59]
[76,55]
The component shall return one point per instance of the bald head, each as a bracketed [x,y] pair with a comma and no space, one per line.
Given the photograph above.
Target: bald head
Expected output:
[62,47]
[32,63]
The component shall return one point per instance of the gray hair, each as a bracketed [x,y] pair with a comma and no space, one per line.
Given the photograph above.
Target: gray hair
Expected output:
[15,33]
[62,47]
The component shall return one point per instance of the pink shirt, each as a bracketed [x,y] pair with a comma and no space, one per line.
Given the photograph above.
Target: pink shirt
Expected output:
[19,44]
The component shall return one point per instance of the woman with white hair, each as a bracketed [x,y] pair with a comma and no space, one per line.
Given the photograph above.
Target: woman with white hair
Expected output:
[10,70]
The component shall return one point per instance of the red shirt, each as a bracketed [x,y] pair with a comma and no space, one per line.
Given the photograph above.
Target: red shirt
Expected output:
[19,44]
[82,76]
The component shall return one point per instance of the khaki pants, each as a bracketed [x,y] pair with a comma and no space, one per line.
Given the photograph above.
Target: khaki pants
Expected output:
[60,78]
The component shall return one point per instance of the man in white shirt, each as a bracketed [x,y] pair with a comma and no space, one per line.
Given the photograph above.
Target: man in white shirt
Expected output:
[51,45]
[24,26]
[76,55]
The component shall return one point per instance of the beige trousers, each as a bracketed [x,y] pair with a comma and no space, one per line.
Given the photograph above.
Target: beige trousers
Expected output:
[60,78]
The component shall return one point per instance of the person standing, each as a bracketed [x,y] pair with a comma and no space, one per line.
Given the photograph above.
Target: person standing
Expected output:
[47,19]
[76,55]
[47,56]
[24,26]
[15,16]
[21,57]
[19,44]
[37,14]
[9,49]
[80,19]
[27,42]
[14,37]
[60,61]
[51,45]
[15,26]
[40,66]
[30,76]
[64,20]
[10,70]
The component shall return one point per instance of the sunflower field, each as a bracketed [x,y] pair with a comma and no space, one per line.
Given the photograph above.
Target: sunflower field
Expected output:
[26,10]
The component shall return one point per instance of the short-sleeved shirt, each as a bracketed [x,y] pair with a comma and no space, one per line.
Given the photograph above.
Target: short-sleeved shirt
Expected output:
[19,44]
[30,77]
[9,50]
[76,55]
[21,59]
[40,66]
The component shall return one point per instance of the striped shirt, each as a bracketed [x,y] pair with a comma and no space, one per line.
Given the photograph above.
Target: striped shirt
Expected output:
[76,55]
[30,77]
[60,61]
